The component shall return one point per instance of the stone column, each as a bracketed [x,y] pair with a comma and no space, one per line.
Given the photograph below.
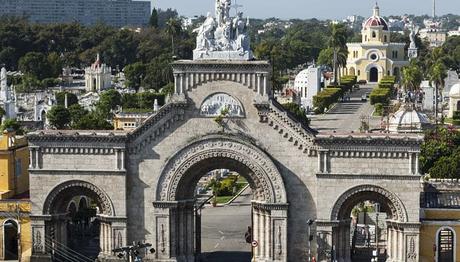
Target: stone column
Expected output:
[411,163]
[262,229]
[176,84]
[268,237]
[417,167]
[255,231]
[389,241]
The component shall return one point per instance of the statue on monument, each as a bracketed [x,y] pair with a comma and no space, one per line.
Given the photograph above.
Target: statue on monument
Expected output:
[413,49]
[223,37]
[205,38]
[413,32]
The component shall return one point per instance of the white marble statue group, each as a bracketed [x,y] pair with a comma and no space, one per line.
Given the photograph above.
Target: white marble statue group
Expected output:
[223,36]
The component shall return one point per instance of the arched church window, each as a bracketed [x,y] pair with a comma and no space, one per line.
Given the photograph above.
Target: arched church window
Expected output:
[359,72]
[385,39]
[365,38]
[374,34]
[445,245]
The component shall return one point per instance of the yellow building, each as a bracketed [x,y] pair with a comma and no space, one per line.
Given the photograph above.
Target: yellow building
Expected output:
[375,56]
[129,121]
[15,235]
[440,222]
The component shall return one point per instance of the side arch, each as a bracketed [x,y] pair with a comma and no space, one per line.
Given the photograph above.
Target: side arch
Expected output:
[264,176]
[355,195]
[61,195]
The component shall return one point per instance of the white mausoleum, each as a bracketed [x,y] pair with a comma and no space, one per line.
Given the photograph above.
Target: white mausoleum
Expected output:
[98,76]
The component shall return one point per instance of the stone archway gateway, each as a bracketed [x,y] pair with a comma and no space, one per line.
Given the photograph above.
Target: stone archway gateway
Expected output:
[142,181]
[174,209]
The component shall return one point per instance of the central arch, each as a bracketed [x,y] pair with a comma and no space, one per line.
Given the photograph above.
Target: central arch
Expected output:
[174,208]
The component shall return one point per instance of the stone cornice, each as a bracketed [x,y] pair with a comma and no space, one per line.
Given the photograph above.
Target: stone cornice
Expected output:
[80,138]
[217,66]
[71,172]
[270,206]
[370,142]
[369,176]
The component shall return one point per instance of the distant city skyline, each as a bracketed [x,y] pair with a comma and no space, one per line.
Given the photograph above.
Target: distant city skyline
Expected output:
[304,9]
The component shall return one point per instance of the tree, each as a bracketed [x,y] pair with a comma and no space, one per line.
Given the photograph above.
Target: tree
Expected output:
[35,64]
[109,100]
[412,76]
[134,74]
[173,28]
[153,22]
[439,143]
[72,99]
[2,114]
[337,41]
[59,117]
[77,112]
[92,121]
[13,125]
[437,75]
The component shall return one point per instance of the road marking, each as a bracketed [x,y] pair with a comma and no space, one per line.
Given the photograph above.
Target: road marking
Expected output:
[221,232]
[216,245]
[222,238]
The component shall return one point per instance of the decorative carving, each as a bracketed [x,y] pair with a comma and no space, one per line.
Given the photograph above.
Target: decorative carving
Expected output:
[37,238]
[119,240]
[215,103]
[59,191]
[264,175]
[163,242]
[398,210]
[412,253]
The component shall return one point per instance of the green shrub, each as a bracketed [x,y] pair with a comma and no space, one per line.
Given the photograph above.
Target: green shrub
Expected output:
[380,95]
[298,112]
[326,98]
[379,109]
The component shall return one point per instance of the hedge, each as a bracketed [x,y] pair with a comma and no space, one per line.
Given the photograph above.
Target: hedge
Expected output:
[379,109]
[380,95]
[326,98]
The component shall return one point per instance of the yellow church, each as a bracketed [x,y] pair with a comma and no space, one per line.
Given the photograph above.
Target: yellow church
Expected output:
[375,56]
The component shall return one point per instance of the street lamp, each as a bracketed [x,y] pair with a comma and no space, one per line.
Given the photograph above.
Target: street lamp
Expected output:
[310,237]
[377,210]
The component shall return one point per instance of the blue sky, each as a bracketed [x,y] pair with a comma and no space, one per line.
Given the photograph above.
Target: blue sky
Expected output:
[333,9]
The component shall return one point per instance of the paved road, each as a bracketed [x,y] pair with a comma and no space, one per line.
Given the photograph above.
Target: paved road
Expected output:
[222,231]
[346,116]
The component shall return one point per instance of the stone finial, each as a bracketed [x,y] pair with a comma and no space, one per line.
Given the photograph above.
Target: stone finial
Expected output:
[376,9]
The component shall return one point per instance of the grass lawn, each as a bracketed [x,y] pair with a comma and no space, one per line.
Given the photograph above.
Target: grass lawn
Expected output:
[223,199]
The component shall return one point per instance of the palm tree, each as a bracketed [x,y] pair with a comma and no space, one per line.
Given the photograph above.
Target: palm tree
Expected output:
[412,76]
[173,28]
[338,42]
[437,75]
[2,114]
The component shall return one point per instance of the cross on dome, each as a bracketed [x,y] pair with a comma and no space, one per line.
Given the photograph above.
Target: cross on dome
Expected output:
[376,10]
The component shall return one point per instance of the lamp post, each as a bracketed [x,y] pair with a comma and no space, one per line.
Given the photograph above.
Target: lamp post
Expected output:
[310,237]
[377,210]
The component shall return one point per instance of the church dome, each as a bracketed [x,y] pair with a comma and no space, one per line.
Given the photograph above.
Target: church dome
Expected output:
[455,90]
[376,20]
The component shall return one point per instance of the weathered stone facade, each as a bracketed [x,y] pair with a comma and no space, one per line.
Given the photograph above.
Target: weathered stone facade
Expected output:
[144,179]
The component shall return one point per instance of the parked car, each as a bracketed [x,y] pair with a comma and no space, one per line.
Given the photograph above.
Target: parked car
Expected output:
[362,82]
